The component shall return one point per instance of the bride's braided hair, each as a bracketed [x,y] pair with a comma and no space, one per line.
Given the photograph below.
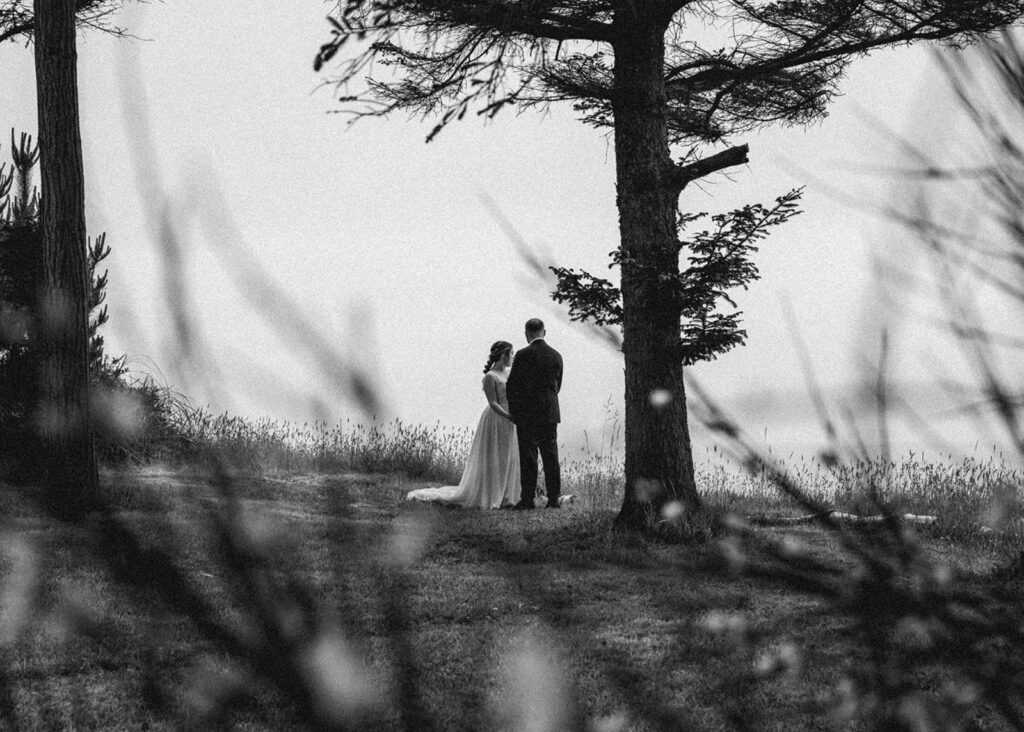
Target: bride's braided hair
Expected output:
[498,351]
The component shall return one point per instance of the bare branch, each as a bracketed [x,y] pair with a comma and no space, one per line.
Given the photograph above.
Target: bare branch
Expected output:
[682,175]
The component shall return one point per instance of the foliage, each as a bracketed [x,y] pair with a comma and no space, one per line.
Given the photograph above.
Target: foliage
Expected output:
[719,260]
[23,207]
[21,269]
[21,273]
[21,278]
[269,446]
[924,632]
[780,64]
[938,650]
[137,420]
[17,17]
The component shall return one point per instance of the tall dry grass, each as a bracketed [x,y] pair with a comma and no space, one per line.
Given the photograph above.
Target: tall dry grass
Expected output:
[960,494]
[266,445]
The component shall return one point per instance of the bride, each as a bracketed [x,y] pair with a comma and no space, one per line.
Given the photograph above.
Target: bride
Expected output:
[491,476]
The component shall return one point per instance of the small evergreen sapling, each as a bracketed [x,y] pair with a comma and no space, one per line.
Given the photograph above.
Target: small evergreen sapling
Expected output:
[21,275]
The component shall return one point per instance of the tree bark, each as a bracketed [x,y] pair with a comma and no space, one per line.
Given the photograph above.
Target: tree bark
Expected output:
[659,464]
[63,414]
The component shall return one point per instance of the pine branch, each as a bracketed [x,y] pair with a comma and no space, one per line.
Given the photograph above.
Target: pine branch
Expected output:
[17,21]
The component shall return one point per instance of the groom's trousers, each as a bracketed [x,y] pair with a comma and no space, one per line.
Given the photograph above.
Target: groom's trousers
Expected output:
[542,438]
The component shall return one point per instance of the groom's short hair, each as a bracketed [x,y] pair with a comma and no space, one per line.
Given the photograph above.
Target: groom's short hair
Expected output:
[534,325]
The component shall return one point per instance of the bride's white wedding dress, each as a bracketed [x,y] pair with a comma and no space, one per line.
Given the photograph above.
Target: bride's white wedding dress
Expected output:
[491,476]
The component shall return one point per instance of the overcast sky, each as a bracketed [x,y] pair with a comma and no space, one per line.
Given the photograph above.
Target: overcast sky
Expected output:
[385,242]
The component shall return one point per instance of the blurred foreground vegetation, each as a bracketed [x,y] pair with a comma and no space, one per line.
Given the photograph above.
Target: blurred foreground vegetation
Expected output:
[255,574]
[280,600]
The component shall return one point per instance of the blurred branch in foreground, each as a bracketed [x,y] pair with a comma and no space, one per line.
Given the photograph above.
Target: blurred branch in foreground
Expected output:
[912,616]
[967,214]
[908,611]
[299,332]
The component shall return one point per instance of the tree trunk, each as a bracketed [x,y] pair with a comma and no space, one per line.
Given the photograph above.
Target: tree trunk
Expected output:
[63,415]
[659,462]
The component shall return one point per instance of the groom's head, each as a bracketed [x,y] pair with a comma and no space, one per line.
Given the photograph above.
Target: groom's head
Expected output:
[534,329]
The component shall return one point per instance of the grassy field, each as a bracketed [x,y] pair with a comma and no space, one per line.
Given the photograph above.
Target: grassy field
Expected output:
[322,599]
[967,495]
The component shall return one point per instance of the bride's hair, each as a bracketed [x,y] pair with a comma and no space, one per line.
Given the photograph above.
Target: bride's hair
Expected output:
[498,352]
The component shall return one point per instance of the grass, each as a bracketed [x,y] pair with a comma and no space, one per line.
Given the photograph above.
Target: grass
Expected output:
[479,620]
[269,446]
[968,496]
[270,576]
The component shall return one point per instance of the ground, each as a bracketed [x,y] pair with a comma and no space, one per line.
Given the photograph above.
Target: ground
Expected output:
[426,616]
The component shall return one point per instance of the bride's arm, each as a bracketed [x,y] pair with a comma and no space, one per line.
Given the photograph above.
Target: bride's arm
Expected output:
[492,397]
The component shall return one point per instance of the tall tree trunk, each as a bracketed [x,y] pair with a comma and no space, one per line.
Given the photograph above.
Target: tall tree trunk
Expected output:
[659,462]
[63,413]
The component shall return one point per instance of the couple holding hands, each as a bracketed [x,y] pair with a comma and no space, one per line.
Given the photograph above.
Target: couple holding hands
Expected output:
[520,421]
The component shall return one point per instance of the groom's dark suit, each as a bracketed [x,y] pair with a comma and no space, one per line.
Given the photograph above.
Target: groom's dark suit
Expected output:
[532,390]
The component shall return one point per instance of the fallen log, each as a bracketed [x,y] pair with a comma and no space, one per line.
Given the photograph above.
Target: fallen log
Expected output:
[851,518]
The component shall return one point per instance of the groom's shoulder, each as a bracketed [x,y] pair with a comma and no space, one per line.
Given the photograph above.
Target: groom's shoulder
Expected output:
[540,348]
[550,353]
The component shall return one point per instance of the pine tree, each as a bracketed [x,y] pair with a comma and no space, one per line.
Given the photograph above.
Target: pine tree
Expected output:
[21,280]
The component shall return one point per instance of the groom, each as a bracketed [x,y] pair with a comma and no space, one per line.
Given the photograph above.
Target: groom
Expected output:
[532,389]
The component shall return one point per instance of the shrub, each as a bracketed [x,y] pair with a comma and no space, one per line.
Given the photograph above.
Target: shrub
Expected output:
[21,278]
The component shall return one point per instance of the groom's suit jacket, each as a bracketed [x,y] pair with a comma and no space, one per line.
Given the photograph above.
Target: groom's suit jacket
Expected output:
[533,385]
